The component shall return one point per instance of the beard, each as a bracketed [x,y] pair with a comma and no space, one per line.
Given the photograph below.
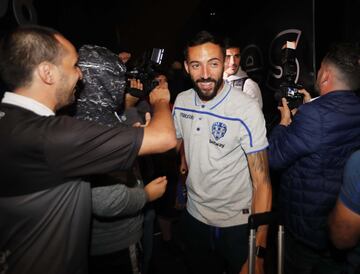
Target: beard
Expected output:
[207,96]
[65,93]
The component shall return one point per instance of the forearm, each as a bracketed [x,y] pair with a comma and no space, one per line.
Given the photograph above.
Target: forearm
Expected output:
[117,200]
[262,191]
[159,135]
[262,200]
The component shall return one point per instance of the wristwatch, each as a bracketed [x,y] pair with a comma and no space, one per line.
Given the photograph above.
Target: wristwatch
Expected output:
[260,251]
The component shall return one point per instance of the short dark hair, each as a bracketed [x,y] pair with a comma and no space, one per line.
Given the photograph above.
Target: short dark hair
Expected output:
[346,58]
[230,43]
[22,49]
[203,37]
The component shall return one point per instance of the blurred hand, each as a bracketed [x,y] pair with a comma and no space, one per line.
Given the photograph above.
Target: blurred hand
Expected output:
[307,96]
[131,100]
[147,121]
[156,188]
[160,93]
[285,113]
[183,166]
[124,56]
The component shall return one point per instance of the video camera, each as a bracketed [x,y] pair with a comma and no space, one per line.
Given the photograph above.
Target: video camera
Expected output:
[288,88]
[146,72]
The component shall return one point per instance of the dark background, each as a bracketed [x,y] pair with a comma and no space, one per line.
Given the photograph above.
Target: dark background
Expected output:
[260,26]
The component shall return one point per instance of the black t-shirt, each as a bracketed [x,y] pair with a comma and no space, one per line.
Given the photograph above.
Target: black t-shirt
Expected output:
[45,212]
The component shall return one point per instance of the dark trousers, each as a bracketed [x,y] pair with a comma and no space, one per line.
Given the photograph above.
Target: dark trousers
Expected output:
[302,259]
[213,250]
[125,261]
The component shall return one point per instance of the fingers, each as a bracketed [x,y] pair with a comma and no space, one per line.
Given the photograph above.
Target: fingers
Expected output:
[156,188]
[307,96]
[136,83]
[137,124]
[160,93]
[183,168]
[284,103]
[293,111]
[147,119]
[160,180]
[285,113]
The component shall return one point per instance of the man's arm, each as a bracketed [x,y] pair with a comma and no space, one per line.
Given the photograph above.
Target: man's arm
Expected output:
[294,137]
[117,200]
[262,199]
[262,192]
[181,152]
[344,226]
[159,135]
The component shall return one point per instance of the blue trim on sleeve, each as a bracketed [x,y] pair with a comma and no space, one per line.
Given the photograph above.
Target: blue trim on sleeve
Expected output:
[221,117]
[258,150]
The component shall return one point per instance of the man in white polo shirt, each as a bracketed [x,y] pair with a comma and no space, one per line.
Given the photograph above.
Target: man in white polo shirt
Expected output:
[235,76]
[224,139]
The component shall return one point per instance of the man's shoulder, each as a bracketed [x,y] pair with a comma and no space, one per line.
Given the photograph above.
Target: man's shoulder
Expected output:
[184,96]
[185,93]
[239,97]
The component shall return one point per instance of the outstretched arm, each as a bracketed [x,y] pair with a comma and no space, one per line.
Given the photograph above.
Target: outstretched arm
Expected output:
[159,135]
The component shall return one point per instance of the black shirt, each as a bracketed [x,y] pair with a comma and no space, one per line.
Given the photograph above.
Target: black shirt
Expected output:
[45,212]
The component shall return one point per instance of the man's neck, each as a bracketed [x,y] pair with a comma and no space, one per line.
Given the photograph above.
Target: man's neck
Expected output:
[42,98]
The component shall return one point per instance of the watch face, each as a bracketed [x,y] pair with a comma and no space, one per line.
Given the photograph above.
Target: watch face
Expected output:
[260,251]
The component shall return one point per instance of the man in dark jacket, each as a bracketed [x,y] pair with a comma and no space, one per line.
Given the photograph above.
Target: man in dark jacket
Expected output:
[310,149]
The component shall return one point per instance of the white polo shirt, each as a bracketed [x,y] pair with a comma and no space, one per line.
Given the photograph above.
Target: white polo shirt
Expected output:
[217,135]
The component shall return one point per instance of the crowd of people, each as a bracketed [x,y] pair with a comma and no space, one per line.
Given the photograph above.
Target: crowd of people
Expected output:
[81,189]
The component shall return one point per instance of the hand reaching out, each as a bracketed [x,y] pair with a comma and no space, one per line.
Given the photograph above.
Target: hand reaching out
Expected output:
[160,93]
[156,188]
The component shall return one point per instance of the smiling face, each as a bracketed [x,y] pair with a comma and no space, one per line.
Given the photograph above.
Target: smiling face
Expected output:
[232,61]
[205,65]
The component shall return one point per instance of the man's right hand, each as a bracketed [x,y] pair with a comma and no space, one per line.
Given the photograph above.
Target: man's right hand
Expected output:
[307,96]
[160,93]
[156,188]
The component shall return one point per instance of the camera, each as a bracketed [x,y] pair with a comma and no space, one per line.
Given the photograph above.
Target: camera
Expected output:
[146,72]
[292,95]
[288,88]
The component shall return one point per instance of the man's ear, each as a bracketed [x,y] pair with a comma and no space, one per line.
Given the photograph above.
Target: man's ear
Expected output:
[325,75]
[186,66]
[45,72]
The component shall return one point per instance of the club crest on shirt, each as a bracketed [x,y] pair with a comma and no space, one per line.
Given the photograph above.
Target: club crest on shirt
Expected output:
[218,130]
[2,114]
